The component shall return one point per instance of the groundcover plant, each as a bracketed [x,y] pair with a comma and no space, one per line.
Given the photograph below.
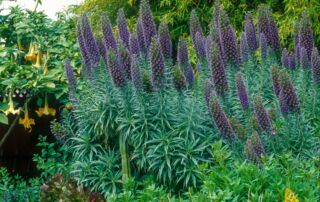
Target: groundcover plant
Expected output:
[241,124]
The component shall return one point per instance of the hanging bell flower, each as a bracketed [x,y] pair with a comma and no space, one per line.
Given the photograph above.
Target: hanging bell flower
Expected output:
[31,55]
[46,110]
[11,109]
[38,61]
[27,122]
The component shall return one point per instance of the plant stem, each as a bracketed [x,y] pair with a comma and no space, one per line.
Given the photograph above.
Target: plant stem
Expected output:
[9,131]
[124,158]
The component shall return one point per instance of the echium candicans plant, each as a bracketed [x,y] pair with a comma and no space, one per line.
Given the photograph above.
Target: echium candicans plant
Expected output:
[195,26]
[157,64]
[134,44]
[108,36]
[220,119]
[182,55]
[289,93]
[306,35]
[304,61]
[244,48]
[230,45]
[216,31]
[315,61]
[89,40]
[242,91]
[263,46]
[179,80]
[140,35]
[275,77]
[148,25]
[218,71]
[86,58]
[125,59]
[267,26]
[116,69]
[123,28]
[72,82]
[254,149]
[165,40]
[250,32]
[199,45]
[136,73]
[261,114]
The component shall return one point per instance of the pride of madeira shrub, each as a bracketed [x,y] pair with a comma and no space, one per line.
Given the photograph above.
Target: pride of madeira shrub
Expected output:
[141,111]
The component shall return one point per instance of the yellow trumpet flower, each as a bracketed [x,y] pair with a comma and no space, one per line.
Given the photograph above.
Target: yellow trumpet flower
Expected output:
[31,56]
[11,109]
[46,110]
[26,121]
[290,196]
[38,62]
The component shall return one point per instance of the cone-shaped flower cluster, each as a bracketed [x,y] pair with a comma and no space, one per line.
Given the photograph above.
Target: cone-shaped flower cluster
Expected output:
[182,56]
[242,91]
[218,72]
[165,40]
[86,58]
[284,109]
[89,40]
[148,25]
[267,26]
[199,45]
[134,44]
[140,34]
[70,76]
[254,149]
[244,48]
[315,66]
[289,94]
[123,28]
[179,80]
[125,60]
[136,73]
[109,39]
[115,69]
[195,26]
[306,35]
[250,32]
[157,64]
[220,119]
[304,61]
[275,73]
[263,46]
[230,45]
[261,114]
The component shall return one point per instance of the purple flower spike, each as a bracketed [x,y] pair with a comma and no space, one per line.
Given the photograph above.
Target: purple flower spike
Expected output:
[297,47]
[289,94]
[275,41]
[284,109]
[220,119]
[292,60]
[90,41]
[254,149]
[207,92]
[244,48]
[275,73]
[285,58]
[264,22]
[183,57]
[304,61]
[115,69]
[315,61]
[195,26]
[200,46]
[306,35]
[134,44]
[263,46]
[165,40]
[189,76]
[86,59]
[242,91]
[261,114]
[125,60]
[250,33]
[140,34]
[123,28]
[70,76]
[102,48]
[149,28]
[109,39]
[179,80]
[157,64]
[136,73]
[230,45]
[218,72]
